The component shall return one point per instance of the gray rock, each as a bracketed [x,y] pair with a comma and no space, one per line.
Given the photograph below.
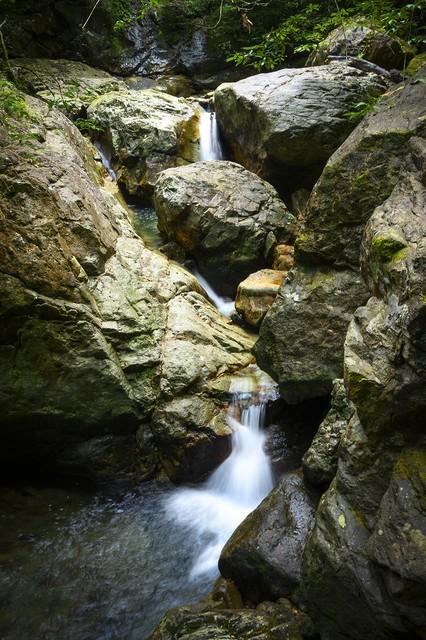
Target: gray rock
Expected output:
[263,556]
[363,566]
[286,124]
[359,39]
[223,215]
[71,86]
[96,330]
[361,175]
[320,460]
[301,337]
[149,131]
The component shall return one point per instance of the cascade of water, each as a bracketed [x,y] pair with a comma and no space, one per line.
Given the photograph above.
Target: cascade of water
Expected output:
[240,483]
[225,305]
[210,145]
[106,161]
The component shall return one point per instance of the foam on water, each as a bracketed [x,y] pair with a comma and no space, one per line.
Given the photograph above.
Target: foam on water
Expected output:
[241,482]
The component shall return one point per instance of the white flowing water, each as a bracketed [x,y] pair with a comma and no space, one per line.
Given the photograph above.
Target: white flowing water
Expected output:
[225,305]
[210,145]
[241,482]
[106,161]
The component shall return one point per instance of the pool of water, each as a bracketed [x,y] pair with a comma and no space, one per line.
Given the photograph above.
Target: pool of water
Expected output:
[84,566]
[144,220]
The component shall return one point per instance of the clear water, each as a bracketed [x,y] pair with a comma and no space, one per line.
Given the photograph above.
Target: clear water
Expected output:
[81,567]
[78,566]
[144,220]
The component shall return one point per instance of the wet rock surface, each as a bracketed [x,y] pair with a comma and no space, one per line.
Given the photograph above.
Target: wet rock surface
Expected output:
[223,215]
[263,556]
[285,125]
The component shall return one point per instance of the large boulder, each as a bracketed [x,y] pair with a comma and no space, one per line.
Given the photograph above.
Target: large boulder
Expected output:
[301,337]
[96,330]
[69,85]
[225,216]
[325,288]
[359,39]
[286,124]
[263,556]
[148,131]
[361,175]
[363,566]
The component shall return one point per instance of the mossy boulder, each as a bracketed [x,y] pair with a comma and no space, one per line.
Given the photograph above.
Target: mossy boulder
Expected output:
[363,562]
[69,85]
[148,131]
[285,125]
[416,64]
[301,337]
[274,621]
[357,38]
[361,175]
[224,216]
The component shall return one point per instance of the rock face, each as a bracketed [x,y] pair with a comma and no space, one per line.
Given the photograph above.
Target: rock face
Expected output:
[71,86]
[361,175]
[216,618]
[363,41]
[320,460]
[286,124]
[263,556]
[363,566]
[325,288]
[223,215]
[256,294]
[301,337]
[96,330]
[148,131]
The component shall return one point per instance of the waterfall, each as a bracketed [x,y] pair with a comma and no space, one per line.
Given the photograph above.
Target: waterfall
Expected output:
[210,145]
[106,161]
[239,484]
[225,305]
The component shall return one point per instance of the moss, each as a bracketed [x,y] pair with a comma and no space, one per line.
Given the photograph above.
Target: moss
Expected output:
[385,247]
[416,64]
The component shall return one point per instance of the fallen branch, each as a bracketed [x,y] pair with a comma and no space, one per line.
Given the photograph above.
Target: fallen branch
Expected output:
[90,14]
[363,65]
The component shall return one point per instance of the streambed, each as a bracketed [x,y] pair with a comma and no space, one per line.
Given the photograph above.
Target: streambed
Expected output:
[81,566]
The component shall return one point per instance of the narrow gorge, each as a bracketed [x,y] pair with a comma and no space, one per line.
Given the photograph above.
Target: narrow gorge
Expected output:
[212,320]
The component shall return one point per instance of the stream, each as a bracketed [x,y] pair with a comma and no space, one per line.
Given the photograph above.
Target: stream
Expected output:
[78,565]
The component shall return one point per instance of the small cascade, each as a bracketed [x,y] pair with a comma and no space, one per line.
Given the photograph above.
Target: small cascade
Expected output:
[211,147]
[225,305]
[239,484]
[106,161]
